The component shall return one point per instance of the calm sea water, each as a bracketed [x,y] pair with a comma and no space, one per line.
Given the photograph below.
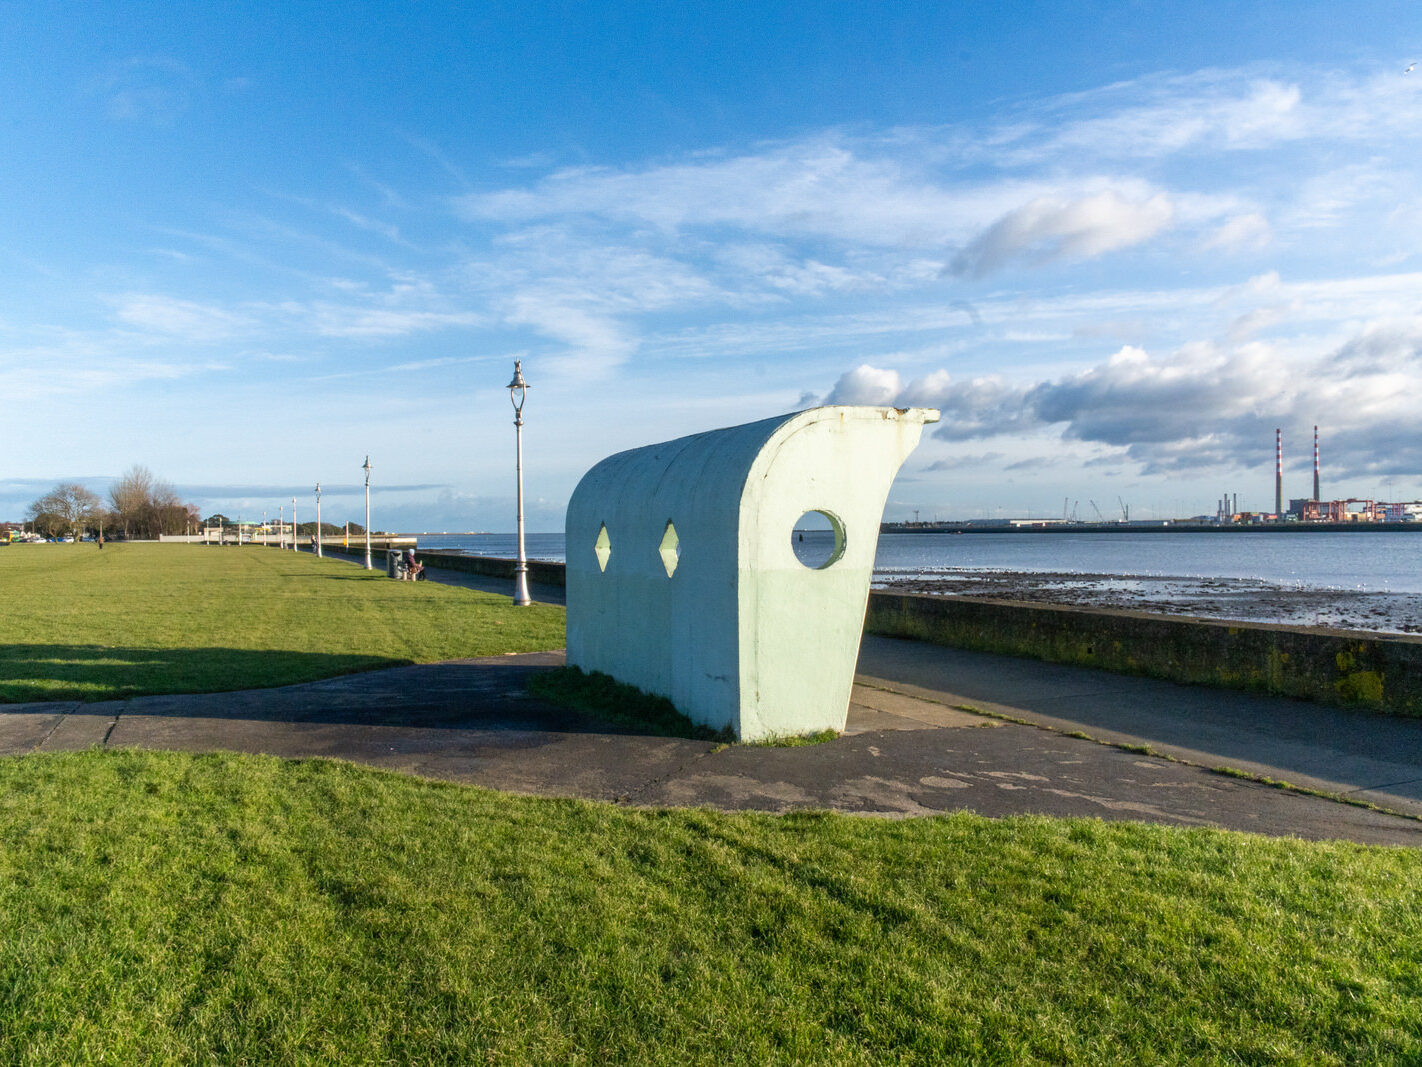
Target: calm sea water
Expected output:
[1377,562]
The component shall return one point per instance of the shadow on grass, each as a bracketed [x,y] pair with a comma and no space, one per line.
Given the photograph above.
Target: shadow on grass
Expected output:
[103,672]
[327,577]
[288,687]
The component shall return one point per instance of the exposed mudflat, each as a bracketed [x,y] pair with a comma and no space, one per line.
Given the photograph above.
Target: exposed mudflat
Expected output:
[1243,599]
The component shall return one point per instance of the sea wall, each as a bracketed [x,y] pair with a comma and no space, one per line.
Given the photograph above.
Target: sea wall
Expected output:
[1382,672]
[1378,671]
[540,572]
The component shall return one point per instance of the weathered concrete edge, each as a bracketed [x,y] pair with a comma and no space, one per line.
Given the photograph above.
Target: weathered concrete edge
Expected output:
[1382,672]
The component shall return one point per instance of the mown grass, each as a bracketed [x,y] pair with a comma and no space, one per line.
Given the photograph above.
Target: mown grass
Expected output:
[167,908]
[78,623]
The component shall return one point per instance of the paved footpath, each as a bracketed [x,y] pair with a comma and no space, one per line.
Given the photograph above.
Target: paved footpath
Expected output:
[909,748]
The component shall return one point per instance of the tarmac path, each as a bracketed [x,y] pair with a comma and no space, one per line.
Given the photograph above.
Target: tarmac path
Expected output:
[930,730]
[909,748]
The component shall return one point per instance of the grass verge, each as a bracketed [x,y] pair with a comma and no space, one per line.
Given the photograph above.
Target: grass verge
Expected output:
[79,623]
[161,907]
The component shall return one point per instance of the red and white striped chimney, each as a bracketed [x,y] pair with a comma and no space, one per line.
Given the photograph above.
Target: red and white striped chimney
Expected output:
[1315,463]
[1278,472]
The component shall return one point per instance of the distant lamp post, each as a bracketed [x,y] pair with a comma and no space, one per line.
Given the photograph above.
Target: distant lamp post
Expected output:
[281,526]
[318,520]
[366,467]
[518,389]
[295,545]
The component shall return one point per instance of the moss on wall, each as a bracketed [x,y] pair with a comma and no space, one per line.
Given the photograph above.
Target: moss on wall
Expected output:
[1382,672]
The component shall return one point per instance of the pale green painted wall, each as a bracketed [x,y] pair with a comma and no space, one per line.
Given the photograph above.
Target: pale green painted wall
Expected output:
[742,634]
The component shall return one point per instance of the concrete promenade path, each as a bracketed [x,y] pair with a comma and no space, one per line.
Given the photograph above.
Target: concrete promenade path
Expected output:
[908,750]
[911,747]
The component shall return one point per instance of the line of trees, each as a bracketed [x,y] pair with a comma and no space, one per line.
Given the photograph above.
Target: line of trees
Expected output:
[140,506]
[144,506]
[67,510]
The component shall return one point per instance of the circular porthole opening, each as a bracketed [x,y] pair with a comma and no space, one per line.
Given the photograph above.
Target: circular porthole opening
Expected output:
[817,539]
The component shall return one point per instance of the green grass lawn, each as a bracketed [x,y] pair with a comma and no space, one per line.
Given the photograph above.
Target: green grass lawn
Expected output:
[78,623]
[167,908]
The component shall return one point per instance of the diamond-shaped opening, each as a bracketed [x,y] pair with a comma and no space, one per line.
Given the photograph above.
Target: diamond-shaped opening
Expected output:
[602,548]
[670,549]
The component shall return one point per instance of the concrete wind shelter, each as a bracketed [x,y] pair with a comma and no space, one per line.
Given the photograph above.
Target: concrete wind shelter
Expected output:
[682,576]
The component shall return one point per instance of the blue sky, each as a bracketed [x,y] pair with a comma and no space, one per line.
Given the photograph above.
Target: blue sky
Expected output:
[1117,244]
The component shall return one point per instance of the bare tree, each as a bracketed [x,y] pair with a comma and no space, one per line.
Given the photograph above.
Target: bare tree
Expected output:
[146,507]
[65,509]
[132,497]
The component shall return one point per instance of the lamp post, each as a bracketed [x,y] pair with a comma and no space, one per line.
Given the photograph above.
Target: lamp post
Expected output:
[366,467]
[281,526]
[295,546]
[518,389]
[318,520]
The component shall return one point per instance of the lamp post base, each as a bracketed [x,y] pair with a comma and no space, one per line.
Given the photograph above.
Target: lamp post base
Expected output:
[521,597]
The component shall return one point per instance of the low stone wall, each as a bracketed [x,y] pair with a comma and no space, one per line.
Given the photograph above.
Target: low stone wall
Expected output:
[1378,671]
[540,572]
[1382,672]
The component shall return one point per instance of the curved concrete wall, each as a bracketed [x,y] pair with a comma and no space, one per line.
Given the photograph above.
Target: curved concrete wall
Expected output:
[682,577]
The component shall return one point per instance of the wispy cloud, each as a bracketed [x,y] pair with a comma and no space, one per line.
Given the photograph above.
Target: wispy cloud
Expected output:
[302,492]
[185,319]
[151,89]
[1048,229]
[1210,111]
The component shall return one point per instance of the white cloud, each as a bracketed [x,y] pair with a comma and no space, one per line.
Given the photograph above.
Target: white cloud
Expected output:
[868,194]
[1049,229]
[966,462]
[1210,111]
[1241,233]
[595,343]
[185,319]
[86,365]
[1202,407]
[866,385]
[149,89]
[1325,198]
[336,320]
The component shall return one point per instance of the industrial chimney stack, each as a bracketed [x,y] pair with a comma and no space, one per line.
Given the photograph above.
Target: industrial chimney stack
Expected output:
[1315,464]
[1278,472]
